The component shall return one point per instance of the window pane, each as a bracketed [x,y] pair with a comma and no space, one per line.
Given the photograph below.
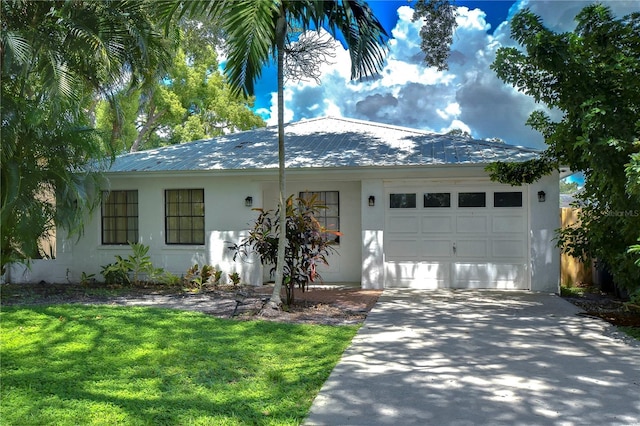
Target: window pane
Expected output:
[119,217]
[172,236]
[198,209]
[331,198]
[437,199]
[198,237]
[507,199]
[197,196]
[472,199]
[184,209]
[402,201]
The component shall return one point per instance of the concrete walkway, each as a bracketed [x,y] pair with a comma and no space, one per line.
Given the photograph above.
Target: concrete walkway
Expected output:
[481,358]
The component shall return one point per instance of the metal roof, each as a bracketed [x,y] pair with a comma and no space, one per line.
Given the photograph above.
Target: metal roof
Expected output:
[326,142]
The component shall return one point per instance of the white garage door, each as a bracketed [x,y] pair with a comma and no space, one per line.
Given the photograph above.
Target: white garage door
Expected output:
[456,237]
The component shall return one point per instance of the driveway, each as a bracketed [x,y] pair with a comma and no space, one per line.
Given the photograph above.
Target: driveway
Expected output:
[472,357]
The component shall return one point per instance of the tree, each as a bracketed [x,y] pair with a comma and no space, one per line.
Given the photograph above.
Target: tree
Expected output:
[256,31]
[567,187]
[308,242]
[55,57]
[439,18]
[190,101]
[591,76]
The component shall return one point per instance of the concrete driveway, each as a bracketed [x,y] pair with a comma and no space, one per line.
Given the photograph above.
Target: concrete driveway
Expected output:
[481,358]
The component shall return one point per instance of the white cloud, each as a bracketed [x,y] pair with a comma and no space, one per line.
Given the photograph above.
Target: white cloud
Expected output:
[407,93]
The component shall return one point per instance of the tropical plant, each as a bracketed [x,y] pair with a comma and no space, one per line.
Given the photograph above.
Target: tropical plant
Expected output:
[308,242]
[591,76]
[116,273]
[201,277]
[55,58]
[256,32]
[131,269]
[234,277]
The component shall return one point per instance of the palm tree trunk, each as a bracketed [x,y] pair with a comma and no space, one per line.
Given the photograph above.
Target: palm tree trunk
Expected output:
[281,27]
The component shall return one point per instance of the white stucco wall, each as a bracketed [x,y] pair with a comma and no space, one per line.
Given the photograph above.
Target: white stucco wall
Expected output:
[360,256]
[544,220]
[226,219]
[372,234]
[344,265]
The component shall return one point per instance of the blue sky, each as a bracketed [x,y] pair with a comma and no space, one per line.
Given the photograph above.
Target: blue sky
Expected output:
[468,96]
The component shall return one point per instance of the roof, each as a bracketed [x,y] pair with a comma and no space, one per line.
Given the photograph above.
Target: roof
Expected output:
[323,143]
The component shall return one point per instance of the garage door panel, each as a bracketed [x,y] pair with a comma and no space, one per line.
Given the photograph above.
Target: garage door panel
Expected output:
[404,224]
[421,275]
[490,275]
[468,248]
[507,224]
[449,245]
[403,249]
[471,224]
[508,249]
[433,249]
[437,224]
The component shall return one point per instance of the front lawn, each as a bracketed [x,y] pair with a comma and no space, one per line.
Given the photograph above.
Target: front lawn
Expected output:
[101,365]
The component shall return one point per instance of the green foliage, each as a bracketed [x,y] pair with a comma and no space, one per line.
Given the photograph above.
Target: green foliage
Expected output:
[86,279]
[439,17]
[72,364]
[56,58]
[567,187]
[308,242]
[591,76]
[130,270]
[190,101]
[199,278]
[235,278]
[516,174]
[117,272]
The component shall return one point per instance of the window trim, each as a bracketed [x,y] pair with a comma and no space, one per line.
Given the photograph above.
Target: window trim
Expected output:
[407,199]
[495,195]
[424,200]
[187,230]
[324,219]
[129,215]
[484,193]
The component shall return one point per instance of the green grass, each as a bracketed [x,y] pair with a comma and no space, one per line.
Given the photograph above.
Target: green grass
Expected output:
[100,365]
[631,331]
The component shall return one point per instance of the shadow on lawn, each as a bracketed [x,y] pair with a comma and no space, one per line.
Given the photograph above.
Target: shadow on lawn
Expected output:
[81,364]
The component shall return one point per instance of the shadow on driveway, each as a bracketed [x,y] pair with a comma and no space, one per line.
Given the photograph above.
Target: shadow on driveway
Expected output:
[470,357]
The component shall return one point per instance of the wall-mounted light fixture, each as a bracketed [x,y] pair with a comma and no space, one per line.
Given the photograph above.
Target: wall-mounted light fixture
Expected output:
[248,201]
[541,196]
[372,201]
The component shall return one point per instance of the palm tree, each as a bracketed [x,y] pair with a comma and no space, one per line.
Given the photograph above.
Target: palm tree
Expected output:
[55,57]
[256,31]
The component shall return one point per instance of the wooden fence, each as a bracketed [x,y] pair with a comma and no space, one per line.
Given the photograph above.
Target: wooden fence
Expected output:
[572,270]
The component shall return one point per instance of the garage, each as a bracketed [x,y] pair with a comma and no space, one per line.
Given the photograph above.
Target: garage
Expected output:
[456,236]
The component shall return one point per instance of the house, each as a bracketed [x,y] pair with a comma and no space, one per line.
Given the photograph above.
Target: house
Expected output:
[415,209]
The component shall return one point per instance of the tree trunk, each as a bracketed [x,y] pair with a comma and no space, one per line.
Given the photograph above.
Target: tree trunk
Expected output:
[281,28]
[152,117]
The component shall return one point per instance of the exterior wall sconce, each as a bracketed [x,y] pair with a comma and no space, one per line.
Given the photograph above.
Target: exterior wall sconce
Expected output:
[248,201]
[541,196]
[372,201]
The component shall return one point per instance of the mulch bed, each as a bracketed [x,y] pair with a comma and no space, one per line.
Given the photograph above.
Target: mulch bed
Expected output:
[319,305]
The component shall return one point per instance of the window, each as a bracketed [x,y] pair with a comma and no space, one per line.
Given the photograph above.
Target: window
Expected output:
[507,199]
[402,201]
[184,216]
[119,217]
[329,218]
[472,199]
[437,199]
